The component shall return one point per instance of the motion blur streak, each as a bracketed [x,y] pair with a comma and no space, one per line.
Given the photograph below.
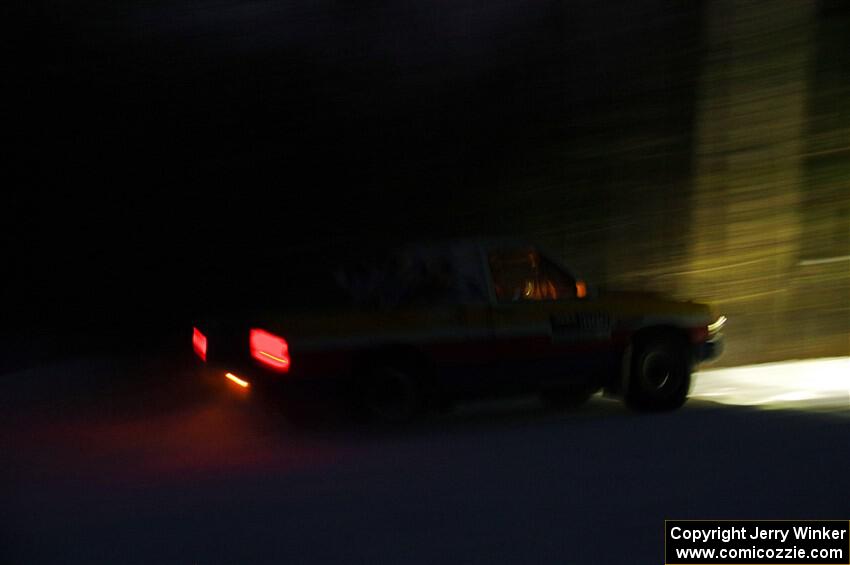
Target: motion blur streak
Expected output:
[237,380]
[808,385]
[270,356]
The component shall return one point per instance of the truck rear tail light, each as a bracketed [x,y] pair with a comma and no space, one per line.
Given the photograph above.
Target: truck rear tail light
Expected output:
[199,343]
[269,349]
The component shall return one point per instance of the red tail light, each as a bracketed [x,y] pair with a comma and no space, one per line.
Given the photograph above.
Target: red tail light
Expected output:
[270,350]
[199,343]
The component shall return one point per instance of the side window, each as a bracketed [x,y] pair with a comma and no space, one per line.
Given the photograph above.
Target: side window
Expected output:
[430,280]
[401,279]
[521,274]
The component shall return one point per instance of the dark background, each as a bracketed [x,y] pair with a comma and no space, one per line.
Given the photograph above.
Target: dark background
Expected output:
[173,152]
[168,156]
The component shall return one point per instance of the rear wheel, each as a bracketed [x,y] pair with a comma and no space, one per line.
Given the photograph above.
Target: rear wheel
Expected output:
[660,377]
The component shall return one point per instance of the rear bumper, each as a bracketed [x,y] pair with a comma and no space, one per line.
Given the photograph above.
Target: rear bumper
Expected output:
[266,382]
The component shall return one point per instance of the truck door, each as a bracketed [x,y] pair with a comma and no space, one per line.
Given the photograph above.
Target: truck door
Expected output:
[544,327]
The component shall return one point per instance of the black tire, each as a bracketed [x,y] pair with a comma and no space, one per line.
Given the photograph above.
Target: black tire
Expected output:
[660,377]
[565,398]
[391,393]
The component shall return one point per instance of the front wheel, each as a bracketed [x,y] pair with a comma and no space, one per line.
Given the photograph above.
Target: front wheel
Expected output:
[660,377]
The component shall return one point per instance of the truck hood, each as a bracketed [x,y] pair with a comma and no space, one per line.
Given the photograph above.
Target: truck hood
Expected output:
[654,303]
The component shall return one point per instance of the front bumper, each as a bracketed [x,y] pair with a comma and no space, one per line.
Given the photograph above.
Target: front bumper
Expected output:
[710,350]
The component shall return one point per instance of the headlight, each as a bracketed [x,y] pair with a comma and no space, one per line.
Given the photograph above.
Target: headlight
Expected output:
[716,326]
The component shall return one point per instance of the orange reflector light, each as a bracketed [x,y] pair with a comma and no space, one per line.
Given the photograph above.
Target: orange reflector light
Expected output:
[237,380]
[199,343]
[581,289]
[270,350]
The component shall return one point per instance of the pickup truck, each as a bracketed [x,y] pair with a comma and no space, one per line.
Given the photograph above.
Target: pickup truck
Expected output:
[427,325]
